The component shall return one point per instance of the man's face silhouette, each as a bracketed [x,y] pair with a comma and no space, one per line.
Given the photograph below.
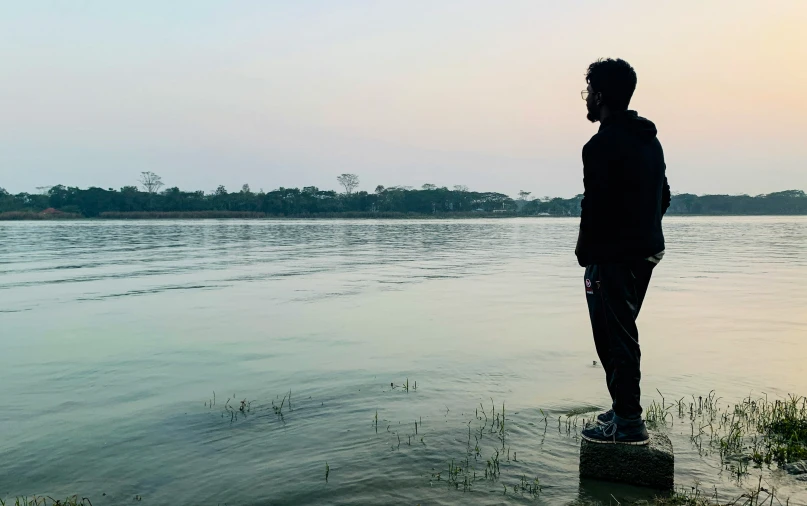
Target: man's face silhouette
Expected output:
[591,105]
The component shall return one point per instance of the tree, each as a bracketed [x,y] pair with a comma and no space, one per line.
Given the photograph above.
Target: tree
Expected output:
[429,186]
[57,196]
[221,191]
[151,182]
[349,181]
[523,195]
[460,188]
[379,189]
[245,189]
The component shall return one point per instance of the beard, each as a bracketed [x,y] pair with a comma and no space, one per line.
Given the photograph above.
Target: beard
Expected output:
[593,112]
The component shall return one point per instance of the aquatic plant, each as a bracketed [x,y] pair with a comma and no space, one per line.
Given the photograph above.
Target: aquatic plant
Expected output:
[755,430]
[48,501]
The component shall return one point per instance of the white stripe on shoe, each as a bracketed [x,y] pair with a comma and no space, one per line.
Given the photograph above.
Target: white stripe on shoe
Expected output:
[614,441]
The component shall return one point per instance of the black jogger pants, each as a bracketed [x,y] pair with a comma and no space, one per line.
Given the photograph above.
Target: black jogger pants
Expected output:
[614,292]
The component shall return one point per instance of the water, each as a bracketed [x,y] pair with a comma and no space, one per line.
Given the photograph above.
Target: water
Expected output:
[116,334]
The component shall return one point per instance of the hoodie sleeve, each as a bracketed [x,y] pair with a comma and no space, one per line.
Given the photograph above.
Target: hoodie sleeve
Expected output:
[595,183]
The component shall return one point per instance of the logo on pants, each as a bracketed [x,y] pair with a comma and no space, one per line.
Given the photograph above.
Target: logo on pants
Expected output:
[589,288]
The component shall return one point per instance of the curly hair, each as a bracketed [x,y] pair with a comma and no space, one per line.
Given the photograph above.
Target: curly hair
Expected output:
[615,79]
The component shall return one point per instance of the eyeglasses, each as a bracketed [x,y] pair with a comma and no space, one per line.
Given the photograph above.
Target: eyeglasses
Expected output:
[584,94]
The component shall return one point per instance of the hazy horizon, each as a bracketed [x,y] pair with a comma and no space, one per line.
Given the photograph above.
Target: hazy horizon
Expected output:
[476,93]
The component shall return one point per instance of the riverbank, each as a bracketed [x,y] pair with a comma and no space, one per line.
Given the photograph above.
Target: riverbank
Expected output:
[242,215]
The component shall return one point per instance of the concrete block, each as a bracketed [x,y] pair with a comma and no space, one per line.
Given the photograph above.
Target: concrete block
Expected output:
[652,465]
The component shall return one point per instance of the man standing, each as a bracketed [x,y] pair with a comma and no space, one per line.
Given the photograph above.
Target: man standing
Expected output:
[620,240]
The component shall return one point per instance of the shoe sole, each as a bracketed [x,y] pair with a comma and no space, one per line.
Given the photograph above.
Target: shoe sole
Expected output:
[612,442]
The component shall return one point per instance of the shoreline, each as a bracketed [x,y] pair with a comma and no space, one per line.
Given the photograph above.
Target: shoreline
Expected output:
[236,215]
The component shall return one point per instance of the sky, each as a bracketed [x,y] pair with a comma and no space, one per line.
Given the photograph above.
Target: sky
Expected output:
[480,93]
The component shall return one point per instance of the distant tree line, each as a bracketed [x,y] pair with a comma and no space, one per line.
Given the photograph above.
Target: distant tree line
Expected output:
[308,201]
[789,202]
[150,200]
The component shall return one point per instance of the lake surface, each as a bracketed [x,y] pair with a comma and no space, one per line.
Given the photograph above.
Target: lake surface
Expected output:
[114,336]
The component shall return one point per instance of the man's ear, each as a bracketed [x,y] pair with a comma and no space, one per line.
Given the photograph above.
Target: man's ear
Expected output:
[598,98]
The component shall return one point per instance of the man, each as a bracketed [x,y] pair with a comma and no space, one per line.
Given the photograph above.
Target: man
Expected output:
[620,240]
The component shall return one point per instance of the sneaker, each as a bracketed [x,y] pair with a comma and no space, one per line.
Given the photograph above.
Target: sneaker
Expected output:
[605,418]
[633,434]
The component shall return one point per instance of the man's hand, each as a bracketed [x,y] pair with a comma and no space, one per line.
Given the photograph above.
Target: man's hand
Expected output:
[578,248]
[665,197]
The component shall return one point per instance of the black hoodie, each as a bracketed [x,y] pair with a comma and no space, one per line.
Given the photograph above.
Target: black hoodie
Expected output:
[626,192]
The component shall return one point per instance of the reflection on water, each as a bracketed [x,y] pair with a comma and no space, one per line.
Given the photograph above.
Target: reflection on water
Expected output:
[116,334]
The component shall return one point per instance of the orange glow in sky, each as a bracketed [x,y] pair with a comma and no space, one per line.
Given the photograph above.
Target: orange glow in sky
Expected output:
[477,92]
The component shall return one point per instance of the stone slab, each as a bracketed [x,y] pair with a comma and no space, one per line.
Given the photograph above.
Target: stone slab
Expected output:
[799,467]
[652,465]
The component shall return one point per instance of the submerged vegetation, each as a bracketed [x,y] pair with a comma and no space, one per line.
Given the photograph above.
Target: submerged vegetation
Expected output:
[754,433]
[694,496]
[766,432]
[783,425]
[761,432]
[48,501]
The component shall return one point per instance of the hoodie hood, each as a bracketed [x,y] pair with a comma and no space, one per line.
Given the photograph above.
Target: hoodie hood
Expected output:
[630,120]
